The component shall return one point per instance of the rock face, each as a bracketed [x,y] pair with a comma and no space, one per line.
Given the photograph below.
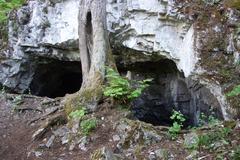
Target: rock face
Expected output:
[43,51]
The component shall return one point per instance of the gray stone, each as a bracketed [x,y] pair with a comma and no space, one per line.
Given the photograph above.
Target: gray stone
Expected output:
[37,153]
[72,146]
[161,154]
[193,155]
[65,139]
[237,125]
[104,154]
[191,139]
[83,143]
[134,132]
[116,138]
[50,141]
[62,131]
[152,156]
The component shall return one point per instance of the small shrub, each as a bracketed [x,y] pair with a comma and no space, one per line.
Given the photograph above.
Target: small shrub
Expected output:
[88,125]
[207,140]
[236,153]
[178,119]
[211,120]
[79,113]
[6,6]
[121,88]
[234,92]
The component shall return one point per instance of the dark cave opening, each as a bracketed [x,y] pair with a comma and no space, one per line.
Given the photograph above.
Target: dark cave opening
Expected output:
[169,91]
[56,78]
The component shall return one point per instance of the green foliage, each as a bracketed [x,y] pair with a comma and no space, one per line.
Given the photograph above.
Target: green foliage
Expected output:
[207,140]
[88,125]
[211,120]
[234,92]
[236,153]
[233,4]
[178,119]
[121,88]
[6,6]
[78,114]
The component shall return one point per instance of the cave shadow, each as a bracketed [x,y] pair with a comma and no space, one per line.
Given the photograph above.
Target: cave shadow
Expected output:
[55,78]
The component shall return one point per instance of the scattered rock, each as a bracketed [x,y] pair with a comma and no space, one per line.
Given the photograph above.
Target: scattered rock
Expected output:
[193,155]
[190,139]
[72,146]
[37,153]
[65,139]
[161,154]
[82,143]
[63,132]
[136,132]
[116,138]
[104,154]
[152,156]
[76,125]
[237,125]
[50,141]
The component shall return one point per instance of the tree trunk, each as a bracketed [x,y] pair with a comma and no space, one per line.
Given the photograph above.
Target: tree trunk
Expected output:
[95,53]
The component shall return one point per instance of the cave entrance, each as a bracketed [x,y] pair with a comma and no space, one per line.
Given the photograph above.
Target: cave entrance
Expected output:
[169,91]
[55,78]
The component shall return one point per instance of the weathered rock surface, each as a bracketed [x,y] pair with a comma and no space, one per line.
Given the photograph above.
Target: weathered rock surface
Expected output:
[204,48]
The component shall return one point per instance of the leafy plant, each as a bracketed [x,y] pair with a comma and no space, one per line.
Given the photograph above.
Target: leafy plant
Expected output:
[207,140]
[88,125]
[236,154]
[234,92]
[178,119]
[79,113]
[6,6]
[211,120]
[121,88]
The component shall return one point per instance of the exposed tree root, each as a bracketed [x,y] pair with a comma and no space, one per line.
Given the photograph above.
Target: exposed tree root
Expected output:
[44,116]
[58,119]
[23,109]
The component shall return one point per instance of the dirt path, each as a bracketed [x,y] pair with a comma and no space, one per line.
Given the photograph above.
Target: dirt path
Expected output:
[15,134]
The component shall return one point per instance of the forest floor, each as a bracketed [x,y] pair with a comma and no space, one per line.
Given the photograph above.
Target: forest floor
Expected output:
[16,142]
[21,116]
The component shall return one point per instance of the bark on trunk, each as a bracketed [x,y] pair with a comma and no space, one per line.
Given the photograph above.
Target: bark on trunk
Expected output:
[95,52]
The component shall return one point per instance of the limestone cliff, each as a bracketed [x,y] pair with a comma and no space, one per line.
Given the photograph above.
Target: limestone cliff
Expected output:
[194,45]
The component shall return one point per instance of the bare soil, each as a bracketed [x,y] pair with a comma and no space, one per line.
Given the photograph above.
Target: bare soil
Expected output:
[16,133]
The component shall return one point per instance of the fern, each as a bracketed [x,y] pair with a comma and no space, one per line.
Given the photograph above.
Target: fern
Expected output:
[121,88]
[7,6]
[234,92]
